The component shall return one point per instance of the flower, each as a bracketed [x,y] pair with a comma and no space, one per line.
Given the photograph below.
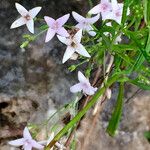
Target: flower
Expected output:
[104,7]
[117,10]
[85,23]
[27,17]
[55,26]
[83,85]
[27,142]
[73,45]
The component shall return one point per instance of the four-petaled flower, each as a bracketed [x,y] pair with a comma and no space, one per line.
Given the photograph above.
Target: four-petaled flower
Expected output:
[27,142]
[104,7]
[26,17]
[56,26]
[85,23]
[83,85]
[73,45]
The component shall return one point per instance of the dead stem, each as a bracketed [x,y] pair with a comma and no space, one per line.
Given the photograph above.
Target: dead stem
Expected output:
[84,104]
[99,106]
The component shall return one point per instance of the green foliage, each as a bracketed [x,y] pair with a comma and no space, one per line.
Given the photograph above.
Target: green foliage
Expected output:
[116,115]
[147,135]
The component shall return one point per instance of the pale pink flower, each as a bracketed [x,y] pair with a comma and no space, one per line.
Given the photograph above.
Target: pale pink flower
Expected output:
[27,142]
[73,45]
[56,27]
[117,10]
[104,7]
[26,17]
[83,85]
[85,23]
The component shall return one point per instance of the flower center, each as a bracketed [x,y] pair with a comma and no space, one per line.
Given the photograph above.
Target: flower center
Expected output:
[73,44]
[27,142]
[55,26]
[27,17]
[85,85]
[104,7]
[118,14]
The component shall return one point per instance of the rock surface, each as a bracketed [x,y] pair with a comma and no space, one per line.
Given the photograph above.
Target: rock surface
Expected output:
[130,135]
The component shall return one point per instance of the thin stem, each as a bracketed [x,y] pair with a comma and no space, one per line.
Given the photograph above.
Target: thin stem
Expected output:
[83,111]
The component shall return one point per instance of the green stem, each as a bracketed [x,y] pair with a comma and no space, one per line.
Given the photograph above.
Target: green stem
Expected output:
[112,79]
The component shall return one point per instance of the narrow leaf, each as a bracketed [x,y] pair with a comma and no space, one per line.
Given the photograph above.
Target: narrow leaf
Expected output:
[116,115]
[140,84]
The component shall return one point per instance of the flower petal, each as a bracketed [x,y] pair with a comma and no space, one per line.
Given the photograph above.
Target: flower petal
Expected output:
[77,37]
[64,40]
[36,145]
[93,19]
[82,51]
[68,53]
[50,21]
[19,22]
[17,142]
[92,33]
[74,56]
[76,88]
[114,4]
[63,32]
[34,11]
[89,29]
[81,26]
[107,15]
[77,17]
[50,34]
[30,25]
[26,134]
[95,10]
[21,9]
[82,78]
[89,90]
[27,147]
[62,20]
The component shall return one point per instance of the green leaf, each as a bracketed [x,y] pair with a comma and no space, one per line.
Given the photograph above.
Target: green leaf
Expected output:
[140,84]
[124,47]
[125,57]
[44,27]
[116,115]
[125,8]
[138,62]
[24,44]
[147,135]
[146,4]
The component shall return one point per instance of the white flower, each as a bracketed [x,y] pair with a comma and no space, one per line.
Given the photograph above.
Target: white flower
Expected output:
[104,7]
[56,26]
[83,85]
[26,17]
[73,45]
[27,142]
[117,10]
[85,23]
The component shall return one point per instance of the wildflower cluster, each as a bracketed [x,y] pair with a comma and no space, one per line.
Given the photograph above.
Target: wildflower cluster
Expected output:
[125,58]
